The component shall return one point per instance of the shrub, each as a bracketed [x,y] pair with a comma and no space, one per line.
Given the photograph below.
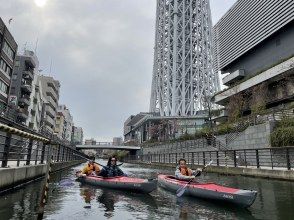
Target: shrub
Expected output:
[224,128]
[282,136]
[286,122]
[185,137]
[120,155]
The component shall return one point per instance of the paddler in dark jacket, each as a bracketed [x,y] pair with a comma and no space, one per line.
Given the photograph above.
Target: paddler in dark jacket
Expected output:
[111,170]
[185,173]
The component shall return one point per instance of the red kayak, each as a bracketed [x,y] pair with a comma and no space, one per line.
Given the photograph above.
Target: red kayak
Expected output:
[121,182]
[244,198]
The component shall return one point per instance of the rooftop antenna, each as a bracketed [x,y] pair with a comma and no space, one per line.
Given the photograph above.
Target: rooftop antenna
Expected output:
[25,47]
[36,46]
[50,67]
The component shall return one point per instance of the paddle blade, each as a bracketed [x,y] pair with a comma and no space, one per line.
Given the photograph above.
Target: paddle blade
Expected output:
[181,191]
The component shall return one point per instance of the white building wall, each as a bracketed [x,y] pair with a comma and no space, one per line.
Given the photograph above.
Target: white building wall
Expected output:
[68,122]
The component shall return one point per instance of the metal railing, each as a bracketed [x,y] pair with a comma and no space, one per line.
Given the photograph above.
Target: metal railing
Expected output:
[267,158]
[16,151]
[17,148]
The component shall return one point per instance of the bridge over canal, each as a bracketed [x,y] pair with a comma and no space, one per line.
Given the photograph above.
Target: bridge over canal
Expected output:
[134,150]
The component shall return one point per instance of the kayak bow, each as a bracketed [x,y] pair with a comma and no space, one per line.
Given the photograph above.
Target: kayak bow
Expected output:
[211,191]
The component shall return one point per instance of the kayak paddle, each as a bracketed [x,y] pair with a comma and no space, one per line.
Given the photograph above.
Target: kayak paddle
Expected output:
[96,162]
[182,189]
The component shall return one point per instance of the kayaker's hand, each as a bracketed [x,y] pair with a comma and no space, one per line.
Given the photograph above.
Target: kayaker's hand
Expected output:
[199,170]
[192,177]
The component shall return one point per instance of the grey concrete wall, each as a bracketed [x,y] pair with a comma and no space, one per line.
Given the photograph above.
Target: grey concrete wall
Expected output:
[11,177]
[277,47]
[257,136]
[252,172]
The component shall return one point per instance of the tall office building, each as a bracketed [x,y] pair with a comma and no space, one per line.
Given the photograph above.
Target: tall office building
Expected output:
[8,49]
[64,123]
[183,75]
[50,91]
[254,47]
[37,104]
[22,83]
[77,135]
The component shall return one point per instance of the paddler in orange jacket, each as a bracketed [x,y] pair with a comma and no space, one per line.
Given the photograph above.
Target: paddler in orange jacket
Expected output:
[185,173]
[91,169]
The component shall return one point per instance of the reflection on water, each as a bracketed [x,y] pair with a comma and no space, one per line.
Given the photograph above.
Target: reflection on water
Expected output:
[72,200]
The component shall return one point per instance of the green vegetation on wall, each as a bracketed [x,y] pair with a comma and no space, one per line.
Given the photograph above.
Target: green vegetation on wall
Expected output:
[283,134]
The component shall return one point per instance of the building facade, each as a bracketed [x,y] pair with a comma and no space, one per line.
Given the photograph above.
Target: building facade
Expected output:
[59,125]
[8,50]
[183,66]
[64,123]
[22,83]
[254,47]
[77,135]
[147,126]
[50,90]
[91,141]
[117,141]
[37,104]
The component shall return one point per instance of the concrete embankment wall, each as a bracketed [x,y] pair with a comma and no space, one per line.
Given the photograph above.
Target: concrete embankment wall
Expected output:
[12,177]
[252,172]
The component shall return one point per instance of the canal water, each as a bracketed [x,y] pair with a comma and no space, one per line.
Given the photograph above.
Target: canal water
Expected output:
[69,199]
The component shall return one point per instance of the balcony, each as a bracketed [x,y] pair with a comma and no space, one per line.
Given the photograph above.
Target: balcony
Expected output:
[51,102]
[33,110]
[52,93]
[23,114]
[28,75]
[31,59]
[233,77]
[221,117]
[24,101]
[50,111]
[50,121]
[53,86]
[26,88]
[279,70]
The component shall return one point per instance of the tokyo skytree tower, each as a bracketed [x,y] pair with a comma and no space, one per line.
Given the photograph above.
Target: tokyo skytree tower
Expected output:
[183,70]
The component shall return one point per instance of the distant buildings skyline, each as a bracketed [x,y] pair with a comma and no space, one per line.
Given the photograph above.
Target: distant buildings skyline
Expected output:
[33,98]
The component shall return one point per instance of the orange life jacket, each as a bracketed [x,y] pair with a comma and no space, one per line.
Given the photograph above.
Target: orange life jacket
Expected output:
[185,171]
[89,168]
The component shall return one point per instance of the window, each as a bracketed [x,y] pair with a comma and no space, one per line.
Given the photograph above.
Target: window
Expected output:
[4,66]
[17,63]
[7,49]
[3,87]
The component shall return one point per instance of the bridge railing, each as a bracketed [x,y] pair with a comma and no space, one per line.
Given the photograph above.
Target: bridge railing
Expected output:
[266,158]
[104,143]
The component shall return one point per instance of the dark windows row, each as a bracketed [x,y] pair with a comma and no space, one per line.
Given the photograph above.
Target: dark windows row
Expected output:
[8,50]
[3,87]
[4,66]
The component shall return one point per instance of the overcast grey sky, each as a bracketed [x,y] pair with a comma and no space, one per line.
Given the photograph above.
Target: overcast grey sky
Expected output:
[101,51]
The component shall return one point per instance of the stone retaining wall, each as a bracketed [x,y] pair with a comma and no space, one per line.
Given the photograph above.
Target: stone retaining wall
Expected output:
[12,177]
